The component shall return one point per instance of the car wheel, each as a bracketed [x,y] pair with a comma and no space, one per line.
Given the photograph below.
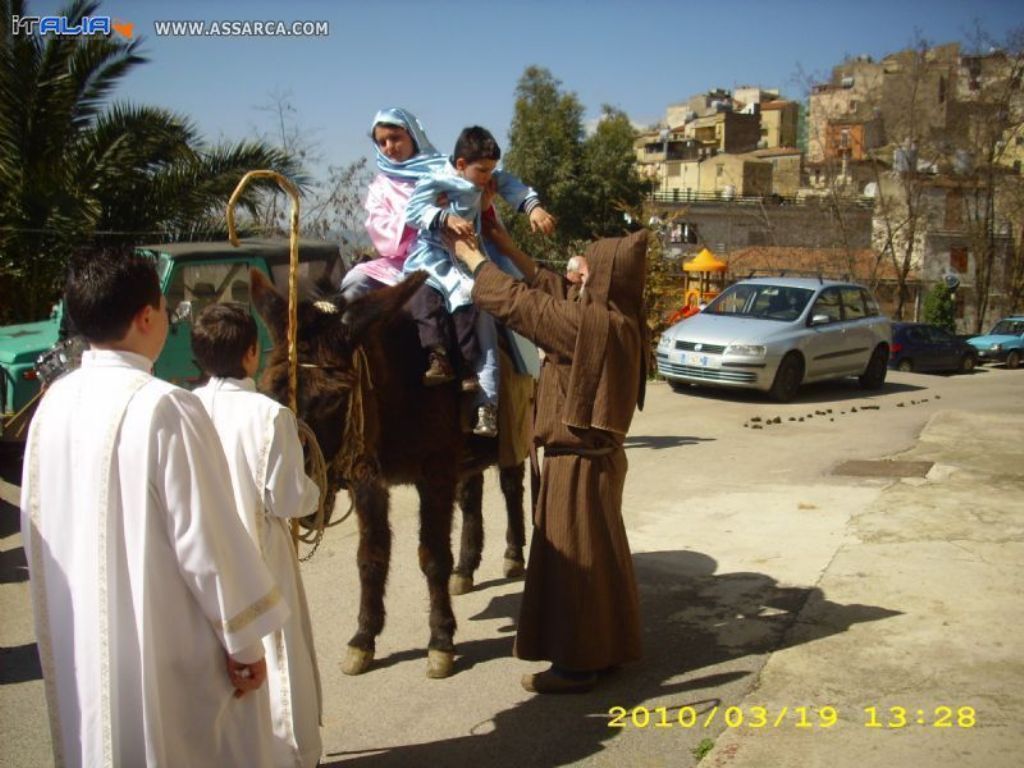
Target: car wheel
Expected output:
[1013,360]
[787,378]
[906,365]
[968,363]
[874,375]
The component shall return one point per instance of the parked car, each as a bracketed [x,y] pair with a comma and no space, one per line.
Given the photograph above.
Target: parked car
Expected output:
[192,275]
[1003,344]
[774,334]
[923,347]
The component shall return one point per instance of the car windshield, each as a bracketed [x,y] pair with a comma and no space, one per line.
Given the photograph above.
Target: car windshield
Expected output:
[763,301]
[1008,328]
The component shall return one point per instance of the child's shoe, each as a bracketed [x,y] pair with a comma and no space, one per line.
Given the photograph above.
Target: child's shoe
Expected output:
[486,421]
[439,370]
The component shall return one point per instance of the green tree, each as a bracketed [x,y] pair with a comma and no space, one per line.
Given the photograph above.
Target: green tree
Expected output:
[611,182]
[546,148]
[75,168]
[586,182]
[940,307]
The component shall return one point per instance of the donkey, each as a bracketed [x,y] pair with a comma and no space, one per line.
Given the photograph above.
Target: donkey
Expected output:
[360,390]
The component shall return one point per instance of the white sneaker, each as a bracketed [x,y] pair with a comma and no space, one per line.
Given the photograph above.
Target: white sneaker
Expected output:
[486,421]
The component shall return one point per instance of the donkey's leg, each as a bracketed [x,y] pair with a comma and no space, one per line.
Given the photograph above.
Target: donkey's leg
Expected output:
[515,534]
[437,499]
[471,497]
[373,558]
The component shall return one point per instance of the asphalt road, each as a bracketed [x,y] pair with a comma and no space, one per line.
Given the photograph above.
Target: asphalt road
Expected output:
[759,586]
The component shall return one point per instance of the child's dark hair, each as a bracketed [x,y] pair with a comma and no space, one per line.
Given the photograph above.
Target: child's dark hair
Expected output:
[476,143]
[106,288]
[221,336]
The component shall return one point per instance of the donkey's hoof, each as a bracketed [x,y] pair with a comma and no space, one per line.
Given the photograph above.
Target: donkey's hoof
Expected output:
[356,661]
[514,568]
[459,584]
[439,664]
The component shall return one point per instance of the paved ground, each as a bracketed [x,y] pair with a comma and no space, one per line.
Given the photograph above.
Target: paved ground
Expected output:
[774,592]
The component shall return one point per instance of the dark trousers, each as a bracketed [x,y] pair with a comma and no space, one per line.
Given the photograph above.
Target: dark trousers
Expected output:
[455,332]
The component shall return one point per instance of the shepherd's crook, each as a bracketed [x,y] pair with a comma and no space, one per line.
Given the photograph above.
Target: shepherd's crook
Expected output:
[293,286]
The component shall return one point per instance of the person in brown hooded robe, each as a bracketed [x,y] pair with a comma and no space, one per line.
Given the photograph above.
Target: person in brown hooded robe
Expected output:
[580,607]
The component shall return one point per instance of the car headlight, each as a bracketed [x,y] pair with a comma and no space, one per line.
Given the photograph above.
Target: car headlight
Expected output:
[997,347]
[746,350]
[664,342]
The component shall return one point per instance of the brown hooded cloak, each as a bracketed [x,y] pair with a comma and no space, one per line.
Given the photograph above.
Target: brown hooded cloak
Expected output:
[580,608]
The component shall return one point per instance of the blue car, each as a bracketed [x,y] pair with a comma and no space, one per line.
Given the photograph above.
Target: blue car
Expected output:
[1003,344]
[922,347]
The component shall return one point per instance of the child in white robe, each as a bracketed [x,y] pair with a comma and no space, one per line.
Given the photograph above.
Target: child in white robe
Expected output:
[268,476]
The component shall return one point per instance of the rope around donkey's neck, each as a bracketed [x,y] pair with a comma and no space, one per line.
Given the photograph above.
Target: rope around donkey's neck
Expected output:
[351,459]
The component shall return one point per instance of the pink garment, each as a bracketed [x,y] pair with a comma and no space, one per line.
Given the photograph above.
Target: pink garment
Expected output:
[386,227]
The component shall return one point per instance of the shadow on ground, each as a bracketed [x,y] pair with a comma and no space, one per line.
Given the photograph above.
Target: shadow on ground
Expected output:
[10,520]
[657,442]
[13,568]
[694,620]
[822,392]
[19,664]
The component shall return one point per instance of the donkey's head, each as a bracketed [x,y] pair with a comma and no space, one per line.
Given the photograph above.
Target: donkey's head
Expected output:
[331,333]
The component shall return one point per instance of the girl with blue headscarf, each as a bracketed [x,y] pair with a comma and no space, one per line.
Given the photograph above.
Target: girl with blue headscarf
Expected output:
[404,154]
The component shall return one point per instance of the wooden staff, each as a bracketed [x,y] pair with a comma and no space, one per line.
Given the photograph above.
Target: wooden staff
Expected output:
[293,284]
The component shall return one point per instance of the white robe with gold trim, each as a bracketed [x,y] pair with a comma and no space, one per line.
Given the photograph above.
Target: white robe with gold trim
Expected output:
[141,575]
[268,476]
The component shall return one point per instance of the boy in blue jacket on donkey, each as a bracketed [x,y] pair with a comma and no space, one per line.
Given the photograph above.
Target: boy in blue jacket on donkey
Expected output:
[448,200]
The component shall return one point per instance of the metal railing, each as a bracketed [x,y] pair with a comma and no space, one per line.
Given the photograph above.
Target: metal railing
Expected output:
[682,197]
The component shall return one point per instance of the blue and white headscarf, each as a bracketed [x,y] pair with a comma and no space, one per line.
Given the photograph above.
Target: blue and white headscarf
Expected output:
[426,157]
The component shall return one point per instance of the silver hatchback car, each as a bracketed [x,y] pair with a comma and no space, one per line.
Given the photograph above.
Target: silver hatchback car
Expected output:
[775,333]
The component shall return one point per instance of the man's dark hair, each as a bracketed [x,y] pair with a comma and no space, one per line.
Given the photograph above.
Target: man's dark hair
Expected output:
[476,143]
[221,336]
[106,288]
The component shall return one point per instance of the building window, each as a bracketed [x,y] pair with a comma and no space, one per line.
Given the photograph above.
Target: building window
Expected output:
[958,259]
[683,232]
[942,90]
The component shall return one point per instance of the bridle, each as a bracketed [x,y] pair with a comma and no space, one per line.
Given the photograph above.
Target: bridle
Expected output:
[352,464]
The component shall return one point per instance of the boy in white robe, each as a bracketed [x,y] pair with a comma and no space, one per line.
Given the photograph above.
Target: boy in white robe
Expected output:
[150,601]
[268,476]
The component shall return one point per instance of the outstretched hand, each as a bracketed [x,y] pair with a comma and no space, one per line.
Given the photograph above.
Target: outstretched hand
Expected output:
[465,249]
[541,221]
[460,226]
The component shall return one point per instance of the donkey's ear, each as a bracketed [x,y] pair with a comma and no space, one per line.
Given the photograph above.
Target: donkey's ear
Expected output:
[270,305]
[377,307]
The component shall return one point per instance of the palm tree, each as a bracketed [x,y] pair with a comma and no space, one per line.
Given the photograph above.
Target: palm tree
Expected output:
[75,167]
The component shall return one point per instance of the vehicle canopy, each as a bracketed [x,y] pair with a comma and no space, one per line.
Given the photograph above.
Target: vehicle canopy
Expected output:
[195,274]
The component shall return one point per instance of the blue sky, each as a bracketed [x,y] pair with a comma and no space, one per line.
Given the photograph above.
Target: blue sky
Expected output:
[457,63]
